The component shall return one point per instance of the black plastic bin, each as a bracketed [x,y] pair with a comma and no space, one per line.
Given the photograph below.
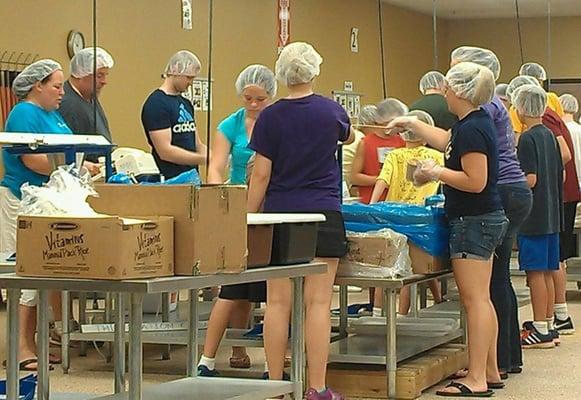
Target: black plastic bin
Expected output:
[294,243]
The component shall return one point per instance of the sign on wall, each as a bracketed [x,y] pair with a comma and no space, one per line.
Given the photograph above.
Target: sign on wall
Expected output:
[198,94]
[283,33]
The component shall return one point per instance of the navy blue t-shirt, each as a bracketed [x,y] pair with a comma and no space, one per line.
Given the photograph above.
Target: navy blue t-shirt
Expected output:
[163,111]
[475,133]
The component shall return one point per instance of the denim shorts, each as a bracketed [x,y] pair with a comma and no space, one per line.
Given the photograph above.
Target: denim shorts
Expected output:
[476,237]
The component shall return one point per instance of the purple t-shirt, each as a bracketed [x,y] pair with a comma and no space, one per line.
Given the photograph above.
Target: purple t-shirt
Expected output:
[509,170]
[300,137]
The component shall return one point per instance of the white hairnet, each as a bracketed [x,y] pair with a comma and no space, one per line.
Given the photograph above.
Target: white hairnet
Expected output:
[432,80]
[82,62]
[517,82]
[500,91]
[570,103]
[533,69]
[391,108]
[409,135]
[471,82]
[35,72]
[256,75]
[298,63]
[530,101]
[479,56]
[183,62]
[369,115]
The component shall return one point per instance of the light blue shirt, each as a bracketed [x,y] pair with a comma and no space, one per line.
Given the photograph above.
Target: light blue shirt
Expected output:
[234,129]
[27,117]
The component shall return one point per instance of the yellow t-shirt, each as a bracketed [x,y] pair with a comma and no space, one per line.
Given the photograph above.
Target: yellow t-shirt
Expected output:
[394,174]
[349,151]
[553,103]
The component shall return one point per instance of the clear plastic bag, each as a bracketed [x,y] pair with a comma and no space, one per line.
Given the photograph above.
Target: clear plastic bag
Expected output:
[65,194]
[376,254]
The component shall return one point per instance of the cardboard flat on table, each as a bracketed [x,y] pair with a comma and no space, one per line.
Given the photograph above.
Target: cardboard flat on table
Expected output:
[209,222]
[96,247]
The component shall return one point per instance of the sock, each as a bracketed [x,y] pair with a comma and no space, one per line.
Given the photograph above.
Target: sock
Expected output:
[210,363]
[551,323]
[561,311]
[377,311]
[541,326]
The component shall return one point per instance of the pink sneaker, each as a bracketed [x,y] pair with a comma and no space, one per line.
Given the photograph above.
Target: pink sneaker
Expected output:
[328,394]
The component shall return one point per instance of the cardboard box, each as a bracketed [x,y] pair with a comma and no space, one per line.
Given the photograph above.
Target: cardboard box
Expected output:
[209,222]
[100,247]
[424,263]
[380,251]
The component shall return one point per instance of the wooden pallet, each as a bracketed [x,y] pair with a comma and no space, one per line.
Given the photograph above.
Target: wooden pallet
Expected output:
[413,376]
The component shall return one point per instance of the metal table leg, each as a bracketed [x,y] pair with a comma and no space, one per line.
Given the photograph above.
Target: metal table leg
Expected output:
[65,334]
[391,356]
[414,306]
[42,344]
[82,321]
[343,317]
[298,337]
[13,335]
[463,324]
[108,320]
[119,345]
[193,336]
[423,295]
[135,347]
[165,355]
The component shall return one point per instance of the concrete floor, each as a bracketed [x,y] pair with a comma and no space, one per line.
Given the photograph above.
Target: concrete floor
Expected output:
[548,374]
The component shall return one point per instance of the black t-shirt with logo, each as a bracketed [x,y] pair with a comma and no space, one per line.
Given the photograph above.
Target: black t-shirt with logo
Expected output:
[475,133]
[163,111]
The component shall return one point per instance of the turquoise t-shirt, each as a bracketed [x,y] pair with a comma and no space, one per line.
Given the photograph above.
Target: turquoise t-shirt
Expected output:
[27,117]
[234,129]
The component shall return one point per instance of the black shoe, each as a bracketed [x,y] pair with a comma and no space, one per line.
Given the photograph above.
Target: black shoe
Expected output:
[285,376]
[206,372]
[565,327]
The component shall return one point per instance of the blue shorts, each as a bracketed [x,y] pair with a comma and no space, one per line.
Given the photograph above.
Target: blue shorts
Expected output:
[476,237]
[538,252]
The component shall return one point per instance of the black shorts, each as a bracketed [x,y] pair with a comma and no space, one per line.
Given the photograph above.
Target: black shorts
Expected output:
[568,239]
[331,243]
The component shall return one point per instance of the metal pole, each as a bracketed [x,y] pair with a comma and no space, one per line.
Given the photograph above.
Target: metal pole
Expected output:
[435,33]
[165,355]
[549,46]
[108,319]
[391,356]
[135,349]
[119,345]
[343,317]
[297,337]
[193,334]
[65,335]
[82,321]
[13,335]
[414,299]
[42,344]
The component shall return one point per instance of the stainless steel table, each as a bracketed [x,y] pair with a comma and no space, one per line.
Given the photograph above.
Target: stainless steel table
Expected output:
[361,349]
[7,267]
[190,387]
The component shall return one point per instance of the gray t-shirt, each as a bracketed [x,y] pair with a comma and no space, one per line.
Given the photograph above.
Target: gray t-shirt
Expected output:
[79,116]
[539,154]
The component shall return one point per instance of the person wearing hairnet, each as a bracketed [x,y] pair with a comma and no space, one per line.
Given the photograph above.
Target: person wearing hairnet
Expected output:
[376,144]
[394,176]
[39,88]
[571,197]
[516,200]
[77,107]
[433,101]
[168,119]
[571,109]
[536,71]
[296,170]
[500,91]
[474,209]
[256,87]
[538,238]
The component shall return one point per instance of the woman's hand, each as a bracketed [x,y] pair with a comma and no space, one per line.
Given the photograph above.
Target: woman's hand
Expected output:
[94,169]
[427,171]
[401,124]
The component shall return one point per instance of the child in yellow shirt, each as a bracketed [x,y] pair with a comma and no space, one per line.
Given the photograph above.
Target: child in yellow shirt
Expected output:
[394,176]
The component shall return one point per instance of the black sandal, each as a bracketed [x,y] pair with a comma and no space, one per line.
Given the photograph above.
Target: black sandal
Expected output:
[495,385]
[464,391]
